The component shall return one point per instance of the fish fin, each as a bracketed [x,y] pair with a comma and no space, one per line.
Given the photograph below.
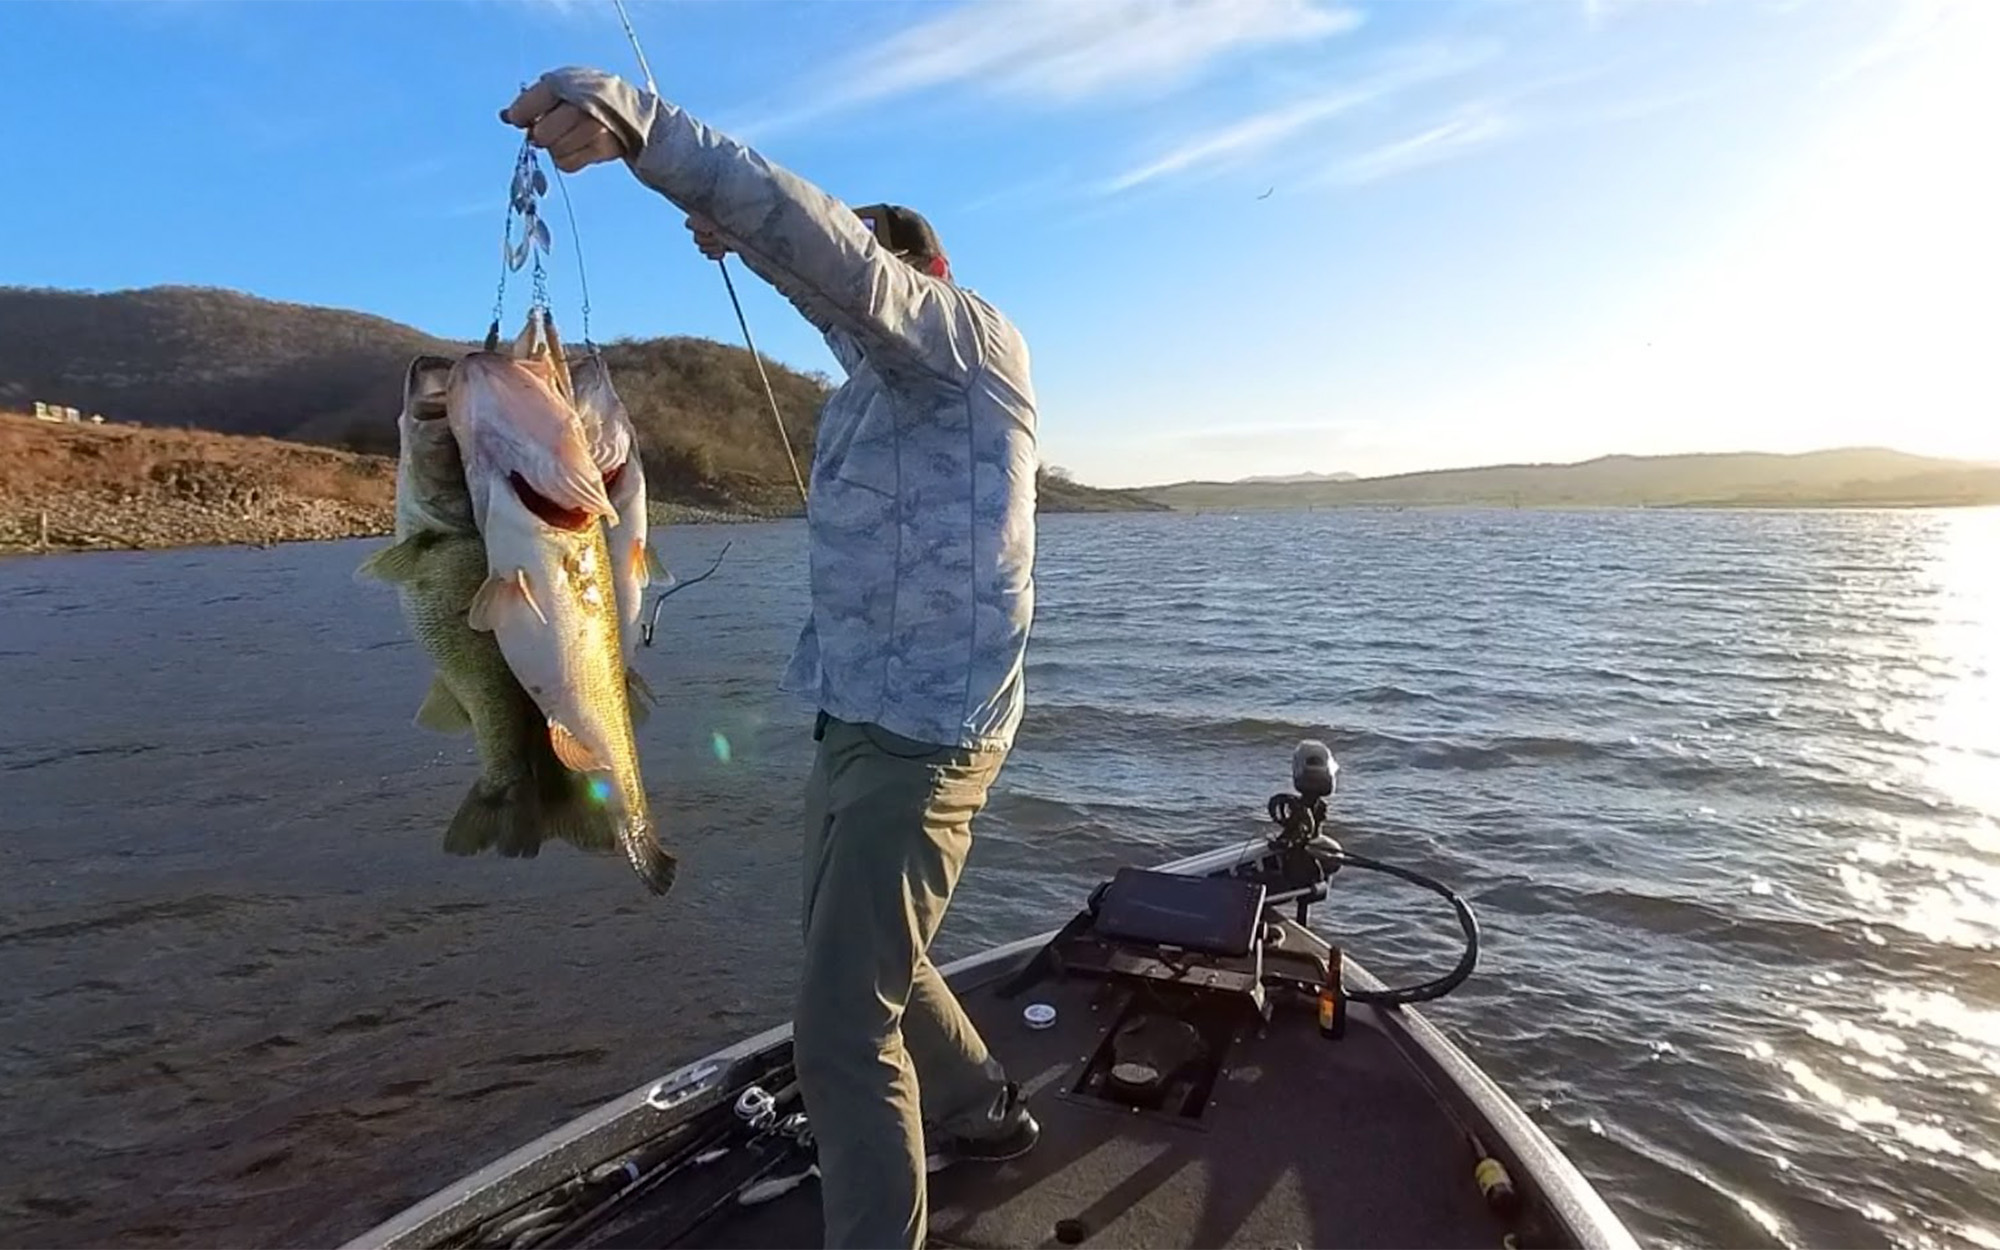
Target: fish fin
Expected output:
[485,820]
[441,710]
[488,601]
[581,823]
[639,697]
[493,597]
[571,750]
[655,865]
[637,688]
[567,809]
[395,563]
[654,566]
[515,820]
[528,595]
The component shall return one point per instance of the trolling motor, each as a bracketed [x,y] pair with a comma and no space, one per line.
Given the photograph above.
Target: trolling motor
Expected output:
[1300,815]
[1302,866]
[1304,858]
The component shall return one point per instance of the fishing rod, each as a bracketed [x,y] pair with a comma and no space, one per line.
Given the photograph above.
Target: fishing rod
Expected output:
[722,263]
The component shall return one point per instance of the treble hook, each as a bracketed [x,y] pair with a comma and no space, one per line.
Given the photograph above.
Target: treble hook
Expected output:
[646,630]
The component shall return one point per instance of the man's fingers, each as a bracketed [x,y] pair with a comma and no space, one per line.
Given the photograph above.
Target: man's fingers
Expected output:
[601,146]
[551,130]
[585,137]
[707,238]
[530,105]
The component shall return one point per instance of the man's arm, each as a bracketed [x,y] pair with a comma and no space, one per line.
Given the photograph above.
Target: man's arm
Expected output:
[801,240]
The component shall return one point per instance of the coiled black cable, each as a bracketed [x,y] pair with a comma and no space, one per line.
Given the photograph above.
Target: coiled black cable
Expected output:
[1437,987]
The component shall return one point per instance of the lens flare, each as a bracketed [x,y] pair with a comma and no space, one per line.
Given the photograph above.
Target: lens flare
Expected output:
[600,790]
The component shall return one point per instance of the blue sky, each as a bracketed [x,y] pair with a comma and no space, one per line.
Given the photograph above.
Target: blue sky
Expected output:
[1495,231]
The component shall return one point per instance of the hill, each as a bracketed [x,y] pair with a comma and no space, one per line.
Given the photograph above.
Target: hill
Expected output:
[1056,492]
[1287,479]
[219,360]
[1845,477]
[208,359]
[200,358]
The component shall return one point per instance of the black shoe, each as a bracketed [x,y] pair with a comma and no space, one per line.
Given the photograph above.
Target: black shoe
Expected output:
[1016,1137]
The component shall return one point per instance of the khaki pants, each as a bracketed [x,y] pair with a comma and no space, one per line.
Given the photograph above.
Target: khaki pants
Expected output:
[881,1045]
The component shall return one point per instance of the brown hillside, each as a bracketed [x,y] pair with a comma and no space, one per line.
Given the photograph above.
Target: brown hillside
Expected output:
[117,485]
[221,360]
[198,358]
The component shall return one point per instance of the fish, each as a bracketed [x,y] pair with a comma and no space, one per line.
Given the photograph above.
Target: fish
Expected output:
[520,424]
[614,446]
[548,599]
[523,795]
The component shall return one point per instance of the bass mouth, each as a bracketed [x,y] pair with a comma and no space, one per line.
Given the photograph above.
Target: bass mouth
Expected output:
[552,512]
[547,509]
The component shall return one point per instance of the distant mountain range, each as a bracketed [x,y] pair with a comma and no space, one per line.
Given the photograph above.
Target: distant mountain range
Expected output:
[1290,479]
[1855,476]
[224,361]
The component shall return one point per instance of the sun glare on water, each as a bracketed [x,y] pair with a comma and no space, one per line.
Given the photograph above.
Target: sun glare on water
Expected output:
[1903,1052]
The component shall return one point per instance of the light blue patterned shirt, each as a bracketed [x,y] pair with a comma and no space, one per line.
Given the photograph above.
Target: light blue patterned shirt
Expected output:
[921,517]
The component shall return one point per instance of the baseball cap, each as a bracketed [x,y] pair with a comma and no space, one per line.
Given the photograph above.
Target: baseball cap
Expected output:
[905,230]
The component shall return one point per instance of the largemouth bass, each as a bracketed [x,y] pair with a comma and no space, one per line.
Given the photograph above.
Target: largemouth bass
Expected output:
[549,599]
[614,446]
[523,795]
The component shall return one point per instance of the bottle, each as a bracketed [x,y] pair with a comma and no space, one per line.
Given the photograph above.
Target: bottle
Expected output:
[1332,998]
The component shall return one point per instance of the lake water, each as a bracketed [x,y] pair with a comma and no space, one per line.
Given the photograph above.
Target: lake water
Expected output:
[1723,787]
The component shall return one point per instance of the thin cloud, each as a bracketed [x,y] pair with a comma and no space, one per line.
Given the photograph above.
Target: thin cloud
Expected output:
[1473,128]
[1915,27]
[1599,13]
[1063,51]
[1239,140]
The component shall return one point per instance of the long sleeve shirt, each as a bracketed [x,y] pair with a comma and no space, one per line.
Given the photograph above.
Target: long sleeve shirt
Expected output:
[921,510]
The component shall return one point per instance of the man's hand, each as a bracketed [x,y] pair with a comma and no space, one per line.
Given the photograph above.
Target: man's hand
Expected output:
[571,136]
[706,238]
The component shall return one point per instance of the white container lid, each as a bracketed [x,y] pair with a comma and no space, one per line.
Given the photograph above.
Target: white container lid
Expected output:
[1039,1015]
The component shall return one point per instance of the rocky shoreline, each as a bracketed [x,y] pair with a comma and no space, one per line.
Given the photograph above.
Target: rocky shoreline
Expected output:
[136,523]
[115,487]
[131,488]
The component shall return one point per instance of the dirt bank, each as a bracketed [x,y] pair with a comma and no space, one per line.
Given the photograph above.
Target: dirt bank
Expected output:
[133,487]
[78,487]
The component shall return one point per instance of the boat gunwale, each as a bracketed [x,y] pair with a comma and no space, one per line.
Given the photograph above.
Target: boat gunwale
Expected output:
[624,1122]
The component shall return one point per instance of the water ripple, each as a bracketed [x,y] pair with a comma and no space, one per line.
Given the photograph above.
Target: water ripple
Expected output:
[1724,787]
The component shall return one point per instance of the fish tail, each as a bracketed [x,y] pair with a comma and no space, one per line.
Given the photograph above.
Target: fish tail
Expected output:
[656,866]
[515,819]
[487,820]
[569,810]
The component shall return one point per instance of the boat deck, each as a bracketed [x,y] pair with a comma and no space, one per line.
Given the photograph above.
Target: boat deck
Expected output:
[1304,1141]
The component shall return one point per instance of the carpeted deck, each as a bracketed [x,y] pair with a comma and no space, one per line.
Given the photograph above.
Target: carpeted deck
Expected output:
[1304,1142]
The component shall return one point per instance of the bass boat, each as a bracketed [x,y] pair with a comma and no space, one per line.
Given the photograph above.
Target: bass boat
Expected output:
[1206,1067]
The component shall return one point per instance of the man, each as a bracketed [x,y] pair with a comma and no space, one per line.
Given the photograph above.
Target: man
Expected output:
[921,526]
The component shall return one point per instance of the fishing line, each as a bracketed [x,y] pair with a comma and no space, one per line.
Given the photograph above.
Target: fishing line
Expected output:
[576,242]
[637,51]
[722,263]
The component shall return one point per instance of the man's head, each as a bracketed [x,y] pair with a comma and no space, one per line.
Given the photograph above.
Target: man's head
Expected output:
[905,232]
